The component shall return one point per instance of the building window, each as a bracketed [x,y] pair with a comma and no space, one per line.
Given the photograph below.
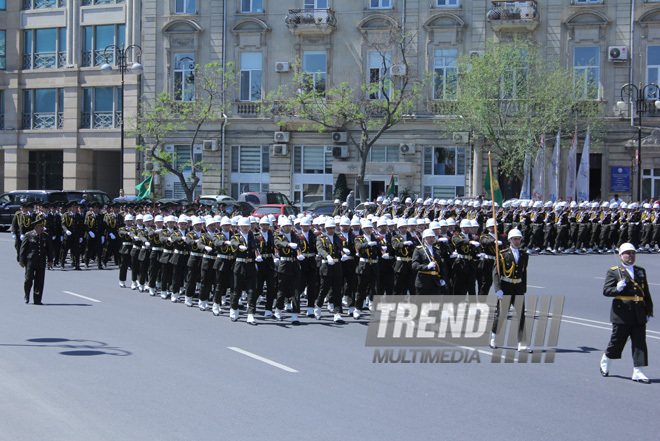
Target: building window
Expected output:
[101,108]
[3,5]
[652,68]
[446,3]
[443,191]
[589,2]
[250,159]
[312,159]
[651,183]
[3,50]
[586,72]
[97,38]
[314,68]
[444,161]
[40,4]
[184,7]
[44,48]
[315,4]
[444,74]
[2,109]
[379,76]
[250,76]
[45,169]
[380,4]
[183,77]
[253,6]
[100,2]
[514,83]
[43,109]
[381,153]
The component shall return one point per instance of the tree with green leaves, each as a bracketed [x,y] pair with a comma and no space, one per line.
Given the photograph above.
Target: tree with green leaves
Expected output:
[159,119]
[365,108]
[510,95]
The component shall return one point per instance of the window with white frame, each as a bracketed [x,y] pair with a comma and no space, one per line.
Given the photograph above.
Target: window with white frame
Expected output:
[315,4]
[3,50]
[40,4]
[44,48]
[97,38]
[250,76]
[183,77]
[446,3]
[248,6]
[382,153]
[379,74]
[650,183]
[101,108]
[514,80]
[314,71]
[380,4]
[185,7]
[445,74]
[310,159]
[652,69]
[43,109]
[589,2]
[586,72]
[443,191]
[250,159]
[444,161]
[100,2]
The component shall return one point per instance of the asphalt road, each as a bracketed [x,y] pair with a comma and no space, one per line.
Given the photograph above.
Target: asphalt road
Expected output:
[115,364]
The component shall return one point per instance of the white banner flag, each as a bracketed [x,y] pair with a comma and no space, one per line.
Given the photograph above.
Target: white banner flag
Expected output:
[526,190]
[571,170]
[553,172]
[539,172]
[582,182]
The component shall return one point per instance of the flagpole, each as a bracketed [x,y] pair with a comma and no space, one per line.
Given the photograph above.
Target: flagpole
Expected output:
[153,196]
[492,198]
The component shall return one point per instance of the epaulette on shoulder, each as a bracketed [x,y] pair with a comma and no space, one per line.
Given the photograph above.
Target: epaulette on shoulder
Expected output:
[419,246]
[614,267]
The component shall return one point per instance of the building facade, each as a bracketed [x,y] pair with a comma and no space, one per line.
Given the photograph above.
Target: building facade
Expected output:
[266,40]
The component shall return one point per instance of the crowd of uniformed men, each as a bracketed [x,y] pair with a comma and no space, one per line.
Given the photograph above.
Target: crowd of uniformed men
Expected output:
[419,247]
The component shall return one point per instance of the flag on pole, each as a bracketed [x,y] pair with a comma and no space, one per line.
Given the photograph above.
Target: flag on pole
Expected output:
[582,182]
[391,192]
[539,172]
[526,191]
[571,170]
[144,188]
[553,172]
[497,192]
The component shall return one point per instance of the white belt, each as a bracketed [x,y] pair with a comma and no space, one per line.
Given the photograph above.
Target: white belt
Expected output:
[489,257]
[195,254]
[287,259]
[127,243]
[180,252]
[156,248]
[208,256]
[507,279]
[239,259]
[226,257]
[362,259]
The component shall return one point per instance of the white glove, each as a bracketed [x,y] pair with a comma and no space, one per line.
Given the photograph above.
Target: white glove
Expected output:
[61,238]
[208,249]
[259,259]
[475,243]
[442,282]
[68,233]
[345,251]
[384,248]
[276,260]
[147,244]
[293,245]
[408,242]
[135,238]
[197,241]
[371,243]
[13,236]
[80,240]
[169,239]
[301,257]
[499,242]
[648,318]
[102,240]
[443,239]
[344,258]
[92,235]
[228,242]
[431,265]
[53,238]
[22,236]
[621,285]
[499,293]
[386,256]
[242,247]
[331,261]
[112,236]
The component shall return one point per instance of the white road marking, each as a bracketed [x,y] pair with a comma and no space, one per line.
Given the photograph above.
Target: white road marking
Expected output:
[534,286]
[599,278]
[601,327]
[82,297]
[262,359]
[602,323]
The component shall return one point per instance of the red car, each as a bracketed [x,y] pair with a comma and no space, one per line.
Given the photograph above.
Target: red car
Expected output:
[275,209]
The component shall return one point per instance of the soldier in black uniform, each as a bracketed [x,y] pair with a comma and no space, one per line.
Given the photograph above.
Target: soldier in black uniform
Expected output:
[309,274]
[93,235]
[156,246]
[404,246]
[369,251]
[288,269]
[54,230]
[631,308]
[207,272]
[34,254]
[245,271]
[71,227]
[329,247]
[464,266]
[386,262]
[488,257]
[179,257]
[224,264]
[194,264]
[430,267]
[166,267]
[125,234]
[264,241]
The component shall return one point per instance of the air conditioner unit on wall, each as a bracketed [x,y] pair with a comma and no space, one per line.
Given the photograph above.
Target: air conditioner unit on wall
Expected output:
[617,53]
[152,166]
[407,148]
[282,66]
[210,145]
[339,137]
[281,137]
[398,70]
[461,137]
[280,150]
[340,151]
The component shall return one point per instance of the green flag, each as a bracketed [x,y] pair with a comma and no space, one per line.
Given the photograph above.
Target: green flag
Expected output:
[390,188]
[497,192]
[144,188]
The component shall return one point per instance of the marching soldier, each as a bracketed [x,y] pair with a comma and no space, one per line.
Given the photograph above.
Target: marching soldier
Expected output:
[404,246]
[264,241]
[154,241]
[309,275]
[125,234]
[94,235]
[224,264]
[488,241]
[207,272]
[245,271]
[194,263]
[369,250]
[288,270]
[329,247]
[632,307]
[430,267]
[71,227]
[165,261]
[179,257]
[34,254]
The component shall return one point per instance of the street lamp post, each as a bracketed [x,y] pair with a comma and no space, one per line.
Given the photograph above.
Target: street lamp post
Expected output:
[640,95]
[121,55]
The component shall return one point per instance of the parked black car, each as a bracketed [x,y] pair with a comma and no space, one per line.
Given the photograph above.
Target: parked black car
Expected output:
[318,208]
[92,195]
[11,201]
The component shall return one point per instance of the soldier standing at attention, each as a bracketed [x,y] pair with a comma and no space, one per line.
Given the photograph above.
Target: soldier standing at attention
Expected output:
[35,251]
[631,309]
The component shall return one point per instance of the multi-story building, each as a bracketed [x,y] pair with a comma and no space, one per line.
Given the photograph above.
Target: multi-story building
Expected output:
[265,39]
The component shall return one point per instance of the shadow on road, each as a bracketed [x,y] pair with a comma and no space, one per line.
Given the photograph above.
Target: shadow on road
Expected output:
[579,350]
[75,347]
[66,304]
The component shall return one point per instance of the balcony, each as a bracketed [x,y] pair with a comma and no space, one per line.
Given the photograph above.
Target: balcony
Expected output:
[513,16]
[442,107]
[247,109]
[311,21]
